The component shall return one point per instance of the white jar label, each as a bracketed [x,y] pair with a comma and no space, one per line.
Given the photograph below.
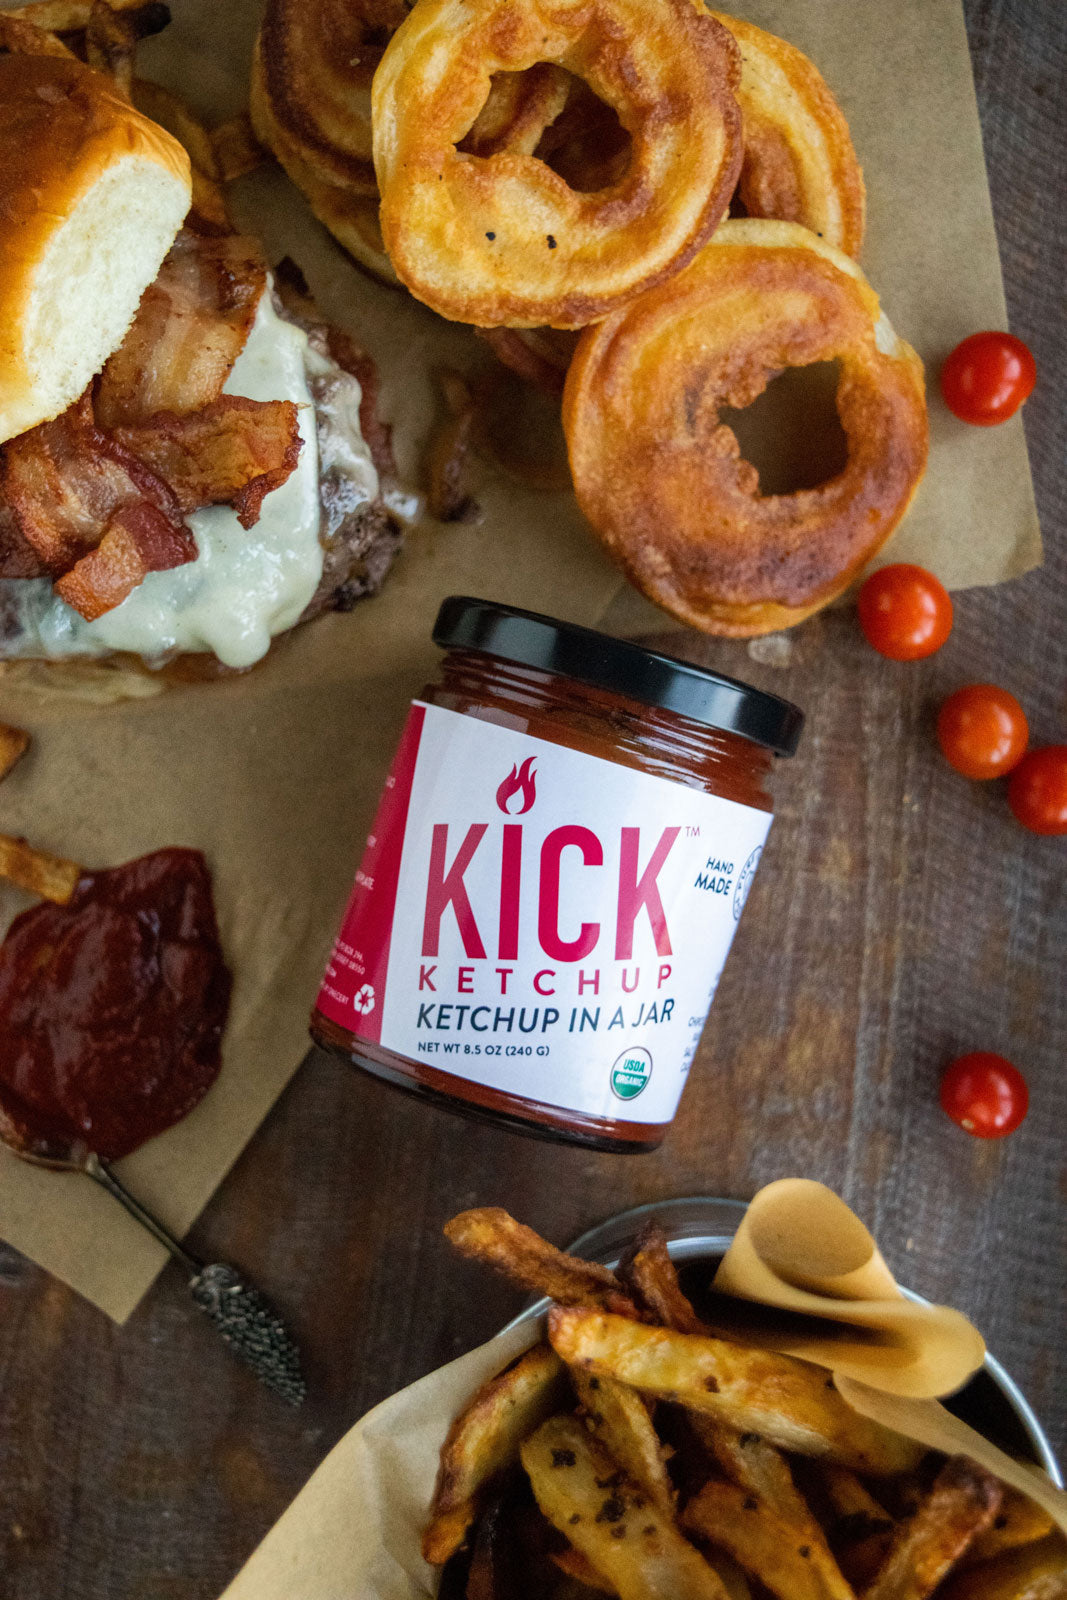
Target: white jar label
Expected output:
[541,921]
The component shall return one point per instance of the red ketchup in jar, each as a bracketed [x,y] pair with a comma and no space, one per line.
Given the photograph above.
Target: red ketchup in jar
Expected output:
[565,841]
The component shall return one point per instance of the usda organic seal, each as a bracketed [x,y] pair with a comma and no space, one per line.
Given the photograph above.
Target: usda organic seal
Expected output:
[744,880]
[630,1073]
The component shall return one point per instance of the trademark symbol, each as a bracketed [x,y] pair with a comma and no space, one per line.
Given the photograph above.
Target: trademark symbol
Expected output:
[692,833]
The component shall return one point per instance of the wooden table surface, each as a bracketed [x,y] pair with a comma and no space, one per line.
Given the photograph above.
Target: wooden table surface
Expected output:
[900,919]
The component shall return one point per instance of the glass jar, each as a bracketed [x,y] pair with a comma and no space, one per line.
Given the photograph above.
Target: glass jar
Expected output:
[565,841]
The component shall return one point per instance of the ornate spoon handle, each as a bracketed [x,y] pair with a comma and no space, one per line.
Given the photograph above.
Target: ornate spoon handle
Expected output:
[246,1320]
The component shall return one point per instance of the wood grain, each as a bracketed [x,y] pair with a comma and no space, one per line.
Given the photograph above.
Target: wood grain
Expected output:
[900,918]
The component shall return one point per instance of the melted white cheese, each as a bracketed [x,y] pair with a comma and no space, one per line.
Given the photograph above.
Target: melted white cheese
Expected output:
[245,586]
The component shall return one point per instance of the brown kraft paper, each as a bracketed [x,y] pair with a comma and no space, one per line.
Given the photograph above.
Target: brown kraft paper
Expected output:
[275,775]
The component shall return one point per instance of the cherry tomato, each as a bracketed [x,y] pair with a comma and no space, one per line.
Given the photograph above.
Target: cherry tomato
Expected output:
[984,1095]
[982,731]
[1037,792]
[986,378]
[905,612]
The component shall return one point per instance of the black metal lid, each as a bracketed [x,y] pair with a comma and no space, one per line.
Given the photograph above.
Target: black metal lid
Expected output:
[614,664]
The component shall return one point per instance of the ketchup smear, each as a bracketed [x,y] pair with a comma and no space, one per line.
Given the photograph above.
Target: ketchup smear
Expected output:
[112,1008]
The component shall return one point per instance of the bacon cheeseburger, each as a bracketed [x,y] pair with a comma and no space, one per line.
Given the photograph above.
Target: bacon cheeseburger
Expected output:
[182,462]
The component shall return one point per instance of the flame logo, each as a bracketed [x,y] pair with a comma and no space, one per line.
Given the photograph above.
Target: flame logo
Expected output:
[519,781]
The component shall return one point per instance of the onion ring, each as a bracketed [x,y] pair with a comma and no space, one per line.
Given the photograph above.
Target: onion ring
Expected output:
[799,163]
[587,144]
[660,477]
[521,105]
[351,216]
[325,147]
[505,241]
[316,62]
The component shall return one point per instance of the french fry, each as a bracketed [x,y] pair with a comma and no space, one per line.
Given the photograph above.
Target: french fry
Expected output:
[14,742]
[209,202]
[575,1565]
[772,1550]
[483,1440]
[578,1567]
[619,1420]
[55,16]
[799,1528]
[789,1402]
[610,1521]
[961,1505]
[1019,1521]
[24,38]
[236,148]
[494,1562]
[1035,1571]
[648,1272]
[860,1530]
[751,1463]
[848,1497]
[111,44]
[492,1236]
[174,115]
[71,16]
[52,877]
[754,1465]
[733,1577]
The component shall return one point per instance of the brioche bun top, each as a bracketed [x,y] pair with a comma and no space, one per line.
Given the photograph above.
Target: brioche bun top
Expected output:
[91,196]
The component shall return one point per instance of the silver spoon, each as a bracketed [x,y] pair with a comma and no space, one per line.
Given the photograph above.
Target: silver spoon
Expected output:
[243,1316]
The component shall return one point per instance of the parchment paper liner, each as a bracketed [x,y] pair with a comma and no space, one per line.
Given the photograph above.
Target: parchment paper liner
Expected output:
[275,776]
[353,1531]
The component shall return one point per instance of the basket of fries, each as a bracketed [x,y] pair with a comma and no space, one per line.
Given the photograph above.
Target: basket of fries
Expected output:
[639,1431]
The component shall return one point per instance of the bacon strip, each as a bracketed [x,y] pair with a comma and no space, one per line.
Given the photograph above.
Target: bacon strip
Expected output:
[190,328]
[361,366]
[138,540]
[97,511]
[18,558]
[73,492]
[232,451]
[95,499]
[65,479]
